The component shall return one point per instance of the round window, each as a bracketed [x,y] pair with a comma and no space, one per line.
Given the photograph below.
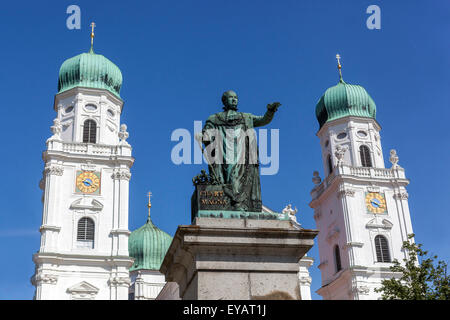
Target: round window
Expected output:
[110,113]
[69,109]
[91,107]
[341,135]
[362,134]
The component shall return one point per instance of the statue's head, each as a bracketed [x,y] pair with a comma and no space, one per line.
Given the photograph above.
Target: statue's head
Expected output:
[230,100]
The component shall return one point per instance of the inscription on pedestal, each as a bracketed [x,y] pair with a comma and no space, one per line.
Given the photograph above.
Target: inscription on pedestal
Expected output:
[209,197]
[212,199]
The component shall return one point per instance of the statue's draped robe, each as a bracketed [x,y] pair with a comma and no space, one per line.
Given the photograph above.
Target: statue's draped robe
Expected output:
[236,167]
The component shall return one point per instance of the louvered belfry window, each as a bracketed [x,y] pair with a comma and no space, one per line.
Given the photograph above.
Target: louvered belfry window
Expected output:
[382,249]
[85,230]
[337,258]
[364,153]
[89,131]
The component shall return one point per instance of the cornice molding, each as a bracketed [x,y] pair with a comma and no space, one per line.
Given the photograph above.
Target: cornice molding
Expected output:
[92,259]
[80,157]
[120,231]
[348,119]
[47,227]
[88,91]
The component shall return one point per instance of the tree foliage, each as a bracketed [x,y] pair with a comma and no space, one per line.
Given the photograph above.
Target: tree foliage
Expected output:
[420,278]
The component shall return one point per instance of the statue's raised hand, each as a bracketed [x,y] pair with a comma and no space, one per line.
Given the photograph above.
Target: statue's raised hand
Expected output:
[273,106]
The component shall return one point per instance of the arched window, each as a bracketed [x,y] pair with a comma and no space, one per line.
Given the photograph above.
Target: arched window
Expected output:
[382,249]
[337,258]
[364,153]
[329,164]
[85,232]
[89,131]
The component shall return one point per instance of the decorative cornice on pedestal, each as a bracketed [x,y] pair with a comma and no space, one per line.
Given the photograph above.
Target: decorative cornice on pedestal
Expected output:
[119,282]
[394,159]
[121,175]
[123,134]
[56,130]
[401,196]
[53,169]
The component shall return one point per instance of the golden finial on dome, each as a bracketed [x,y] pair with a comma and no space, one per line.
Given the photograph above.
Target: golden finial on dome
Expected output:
[92,35]
[338,57]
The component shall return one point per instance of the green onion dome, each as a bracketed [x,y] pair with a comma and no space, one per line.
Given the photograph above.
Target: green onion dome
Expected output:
[344,100]
[92,71]
[148,246]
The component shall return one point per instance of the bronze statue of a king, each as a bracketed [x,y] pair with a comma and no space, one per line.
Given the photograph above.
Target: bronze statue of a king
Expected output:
[232,153]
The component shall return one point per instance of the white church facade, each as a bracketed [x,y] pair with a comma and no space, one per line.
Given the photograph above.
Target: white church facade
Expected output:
[88,252]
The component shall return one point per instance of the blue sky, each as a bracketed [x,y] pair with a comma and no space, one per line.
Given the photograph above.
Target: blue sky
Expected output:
[177,57]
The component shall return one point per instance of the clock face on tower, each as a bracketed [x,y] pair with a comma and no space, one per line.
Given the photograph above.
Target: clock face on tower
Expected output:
[87,182]
[375,202]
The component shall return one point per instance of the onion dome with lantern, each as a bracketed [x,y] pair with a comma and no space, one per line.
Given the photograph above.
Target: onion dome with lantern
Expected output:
[148,245]
[90,70]
[343,100]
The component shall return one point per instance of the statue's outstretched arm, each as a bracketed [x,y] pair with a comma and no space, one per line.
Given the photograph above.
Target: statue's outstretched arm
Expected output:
[259,121]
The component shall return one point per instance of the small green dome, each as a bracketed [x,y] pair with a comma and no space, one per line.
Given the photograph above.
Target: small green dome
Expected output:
[92,71]
[148,246]
[344,100]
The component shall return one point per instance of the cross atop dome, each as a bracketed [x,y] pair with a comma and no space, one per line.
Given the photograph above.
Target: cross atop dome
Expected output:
[149,205]
[92,36]
[338,57]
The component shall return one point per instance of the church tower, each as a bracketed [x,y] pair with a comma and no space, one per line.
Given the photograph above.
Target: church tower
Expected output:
[360,207]
[84,233]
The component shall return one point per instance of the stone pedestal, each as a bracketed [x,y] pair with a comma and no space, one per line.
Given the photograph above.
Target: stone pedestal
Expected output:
[243,259]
